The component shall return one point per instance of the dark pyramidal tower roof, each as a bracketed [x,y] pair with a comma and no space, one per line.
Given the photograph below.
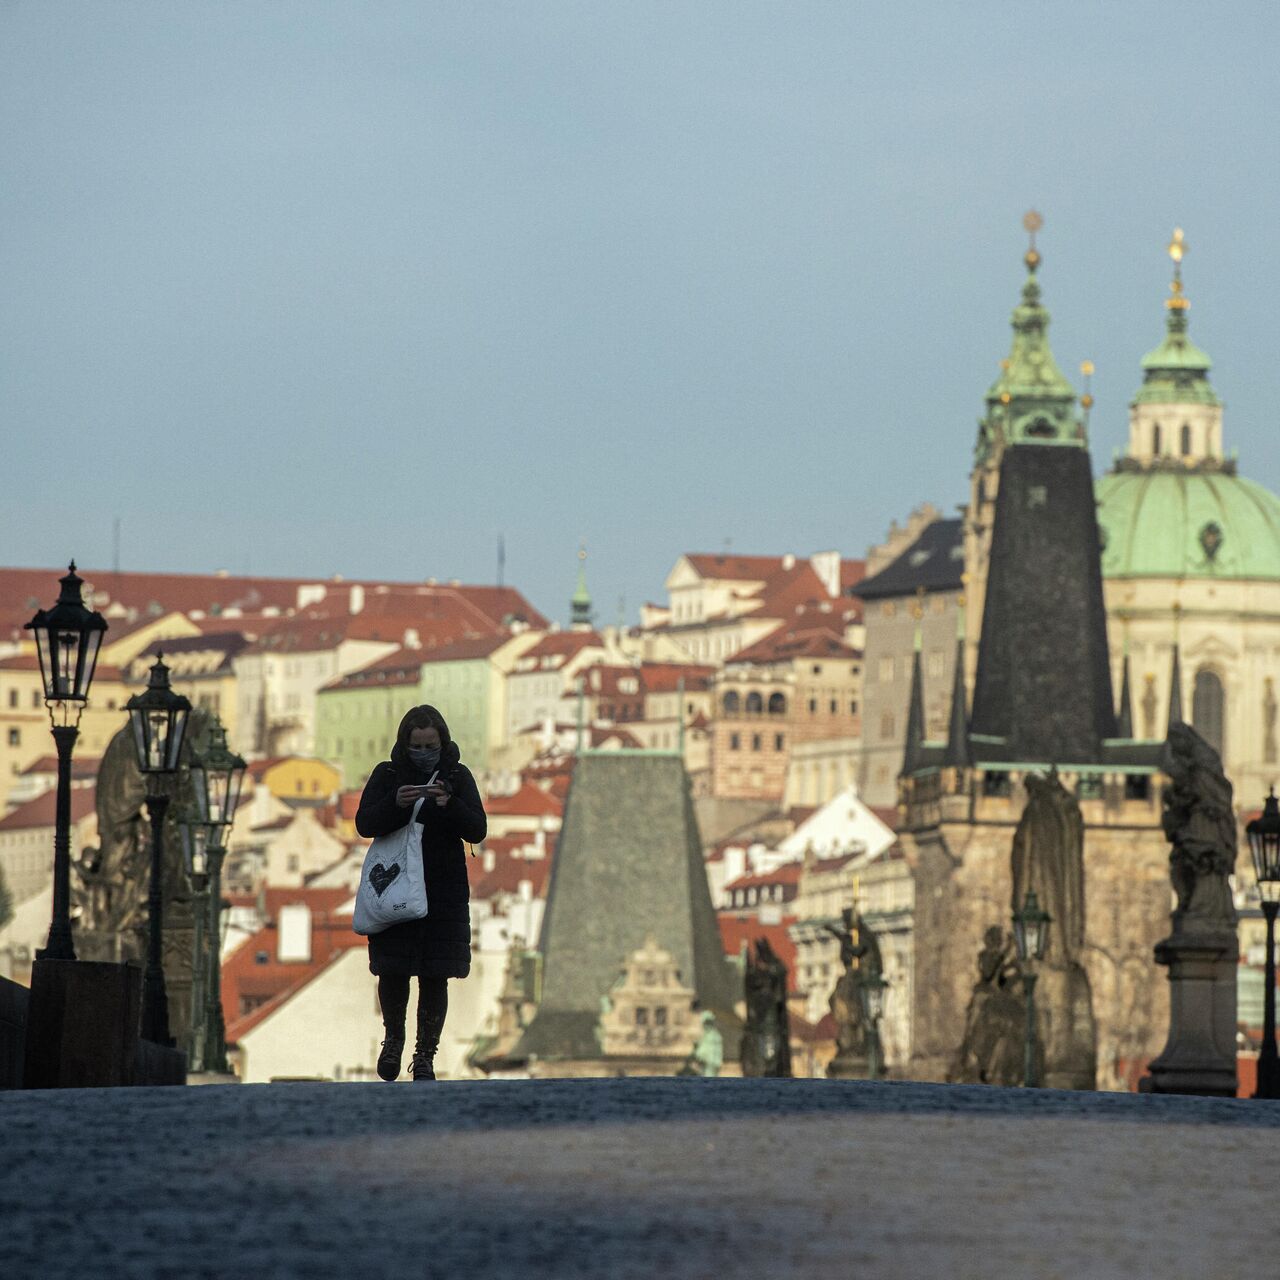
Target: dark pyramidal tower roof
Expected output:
[1043,686]
[628,863]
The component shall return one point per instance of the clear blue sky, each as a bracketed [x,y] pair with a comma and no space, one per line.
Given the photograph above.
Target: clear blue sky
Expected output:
[309,288]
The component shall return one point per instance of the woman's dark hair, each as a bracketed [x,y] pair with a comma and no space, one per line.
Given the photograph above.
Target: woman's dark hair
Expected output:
[423,717]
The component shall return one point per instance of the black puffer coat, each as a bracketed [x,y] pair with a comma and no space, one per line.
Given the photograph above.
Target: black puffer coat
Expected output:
[440,945]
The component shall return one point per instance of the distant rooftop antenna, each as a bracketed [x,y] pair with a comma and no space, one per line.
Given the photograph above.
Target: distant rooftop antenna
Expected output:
[115,546]
[502,560]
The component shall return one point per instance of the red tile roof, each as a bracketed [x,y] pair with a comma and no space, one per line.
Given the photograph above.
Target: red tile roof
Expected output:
[787,873]
[665,677]
[735,568]
[529,801]
[80,768]
[788,642]
[506,874]
[42,811]
[736,930]
[563,644]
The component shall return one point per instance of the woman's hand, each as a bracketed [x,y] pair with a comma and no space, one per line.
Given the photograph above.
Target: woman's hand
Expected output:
[438,793]
[407,797]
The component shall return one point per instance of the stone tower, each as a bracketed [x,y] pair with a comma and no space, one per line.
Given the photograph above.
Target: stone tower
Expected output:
[1042,699]
[630,945]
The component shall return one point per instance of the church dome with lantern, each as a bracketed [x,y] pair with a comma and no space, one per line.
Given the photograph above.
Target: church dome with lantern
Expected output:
[1174,507]
[1191,562]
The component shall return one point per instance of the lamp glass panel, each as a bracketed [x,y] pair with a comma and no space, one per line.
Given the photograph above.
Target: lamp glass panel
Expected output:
[176,732]
[48,674]
[66,662]
[195,841]
[157,740]
[89,664]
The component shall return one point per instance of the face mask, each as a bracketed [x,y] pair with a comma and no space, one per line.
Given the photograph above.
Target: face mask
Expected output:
[424,758]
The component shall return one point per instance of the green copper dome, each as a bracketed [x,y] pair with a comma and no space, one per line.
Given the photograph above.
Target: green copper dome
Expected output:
[1179,523]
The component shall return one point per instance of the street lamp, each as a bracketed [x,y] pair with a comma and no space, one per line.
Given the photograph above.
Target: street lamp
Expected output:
[871,989]
[68,637]
[1264,844]
[1031,937]
[159,720]
[216,776]
[195,854]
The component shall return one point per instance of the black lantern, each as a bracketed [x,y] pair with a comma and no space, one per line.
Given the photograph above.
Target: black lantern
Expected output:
[871,989]
[1031,928]
[159,720]
[68,637]
[195,849]
[1264,843]
[216,774]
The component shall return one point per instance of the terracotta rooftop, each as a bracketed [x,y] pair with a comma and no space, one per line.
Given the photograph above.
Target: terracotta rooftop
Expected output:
[788,642]
[787,873]
[735,931]
[529,801]
[42,811]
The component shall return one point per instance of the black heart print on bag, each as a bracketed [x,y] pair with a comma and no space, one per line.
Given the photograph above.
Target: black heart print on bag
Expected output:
[380,876]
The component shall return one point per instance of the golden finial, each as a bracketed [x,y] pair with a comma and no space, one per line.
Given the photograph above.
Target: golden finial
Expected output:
[1031,223]
[1086,372]
[582,550]
[1177,251]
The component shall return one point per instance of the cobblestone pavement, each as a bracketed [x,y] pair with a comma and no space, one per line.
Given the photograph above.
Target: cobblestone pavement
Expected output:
[643,1178]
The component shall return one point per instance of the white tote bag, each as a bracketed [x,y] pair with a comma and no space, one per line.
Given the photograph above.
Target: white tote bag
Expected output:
[392,887]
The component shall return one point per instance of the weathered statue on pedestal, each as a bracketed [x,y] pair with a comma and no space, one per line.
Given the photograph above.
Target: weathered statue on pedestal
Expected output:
[859,954]
[1202,951]
[1047,858]
[995,1026]
[113,880]
[766,1039]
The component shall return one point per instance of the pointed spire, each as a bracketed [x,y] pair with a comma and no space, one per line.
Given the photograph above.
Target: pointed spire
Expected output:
[912,752]
[1175,676]
[1124,716]
[958,754]
[1177,371]
[580,603]
[1031,401]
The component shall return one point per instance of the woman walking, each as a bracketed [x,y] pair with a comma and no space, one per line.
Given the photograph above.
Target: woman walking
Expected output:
[438,947]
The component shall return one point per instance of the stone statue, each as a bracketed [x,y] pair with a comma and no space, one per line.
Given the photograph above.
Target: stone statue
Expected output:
[995,1027]
[114,878]
[1048,856]
[766,1039]
[1202,952]
[859,951]
[708,1054]
[1199,822]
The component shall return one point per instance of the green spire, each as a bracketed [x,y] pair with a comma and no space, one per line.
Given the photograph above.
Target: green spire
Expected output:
[1031,402]
[580,602]
[1177,371]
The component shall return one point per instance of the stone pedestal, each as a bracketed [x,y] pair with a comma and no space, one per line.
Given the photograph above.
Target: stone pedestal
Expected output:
[1200,1056]
[82,1024]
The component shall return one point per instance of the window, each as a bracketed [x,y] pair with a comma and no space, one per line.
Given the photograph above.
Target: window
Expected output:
[813,706]
[660,1016]
[779,741]
[1186,440]
[735,741]
[755,704]
[996,784]
[1207,709]
[777,704]
[886,670]
[817,668]
[755,742]
[853,706]
[15,737]
[833,706]
[13,697]
[642,1016]
[1155,439]
[731,703]
[35,698]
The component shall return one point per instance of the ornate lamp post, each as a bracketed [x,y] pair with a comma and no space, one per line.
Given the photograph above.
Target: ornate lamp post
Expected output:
[159,720]
[1031,937]
[195,854]
[871,988]
[1264,844]
[68,637]
[216,776]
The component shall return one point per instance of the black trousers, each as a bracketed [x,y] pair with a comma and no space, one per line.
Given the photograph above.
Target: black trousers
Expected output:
[433,1005]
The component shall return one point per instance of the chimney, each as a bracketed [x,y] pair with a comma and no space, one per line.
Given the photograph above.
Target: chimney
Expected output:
[293,934]
[356,597]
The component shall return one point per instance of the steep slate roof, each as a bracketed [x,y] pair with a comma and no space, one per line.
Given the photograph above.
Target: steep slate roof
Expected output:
[1043,685]
[629,863]
[934,561]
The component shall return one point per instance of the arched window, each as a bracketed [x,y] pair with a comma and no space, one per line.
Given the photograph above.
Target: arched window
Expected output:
[731,703]
[1155,440]
[1208,709]
[1186,440]
[755,704]
[777,704]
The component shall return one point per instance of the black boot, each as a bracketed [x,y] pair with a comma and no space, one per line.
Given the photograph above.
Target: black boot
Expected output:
[389,1058]
[424,1055]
